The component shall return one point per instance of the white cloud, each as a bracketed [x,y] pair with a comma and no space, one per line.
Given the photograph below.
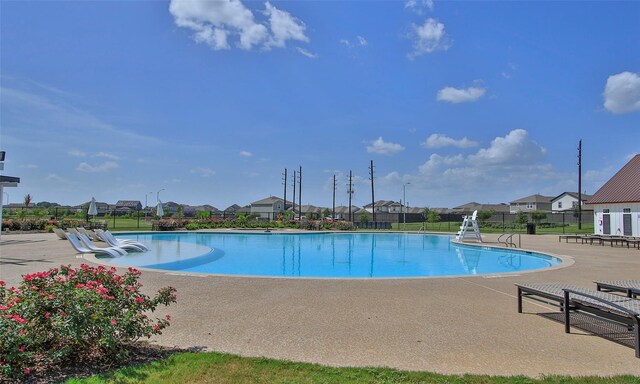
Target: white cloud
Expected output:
[456,95]
[104,167]
[436,161]
[204,172]
[53,177]
[77,153]
[214,22]
[514,149]
[246,153]
[307,53]
[381,147]
[106,155]
[428,37]
[418,5]
[284,27]
[438,140]
[358,42]
[622,93]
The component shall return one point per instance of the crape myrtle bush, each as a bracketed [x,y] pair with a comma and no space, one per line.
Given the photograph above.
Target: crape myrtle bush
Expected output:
[54,316]
[39,224]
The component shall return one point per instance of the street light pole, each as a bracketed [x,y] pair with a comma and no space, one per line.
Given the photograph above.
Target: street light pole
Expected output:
[158,195]
[404,206]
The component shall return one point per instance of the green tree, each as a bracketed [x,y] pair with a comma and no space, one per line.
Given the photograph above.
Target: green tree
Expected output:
[483,216]
[433,217]
[363,216]
[538,216]
[203,214]
[287,215]
[27,200]
[326,213]
[522,218]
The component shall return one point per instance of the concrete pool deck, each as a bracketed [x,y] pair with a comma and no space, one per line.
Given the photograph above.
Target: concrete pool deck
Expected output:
[451,325]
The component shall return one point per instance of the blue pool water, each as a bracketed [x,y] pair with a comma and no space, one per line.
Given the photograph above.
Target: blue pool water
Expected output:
[358,255]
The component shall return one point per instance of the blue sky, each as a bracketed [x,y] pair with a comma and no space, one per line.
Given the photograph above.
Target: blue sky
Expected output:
[210,101]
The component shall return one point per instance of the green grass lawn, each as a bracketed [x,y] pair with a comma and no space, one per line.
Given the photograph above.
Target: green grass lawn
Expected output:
[454,226]
[126,224]
[211,367]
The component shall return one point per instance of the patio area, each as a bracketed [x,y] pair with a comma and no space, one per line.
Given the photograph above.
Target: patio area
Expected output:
[451,325]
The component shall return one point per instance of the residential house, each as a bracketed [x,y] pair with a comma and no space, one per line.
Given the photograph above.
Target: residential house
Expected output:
[530,204]
[230,211]
[125,206]
[473,206]
[269,208]
[342,212]
[567,201]
[386,206]
[170,208]
[191,210]
[101,207]
[616,205]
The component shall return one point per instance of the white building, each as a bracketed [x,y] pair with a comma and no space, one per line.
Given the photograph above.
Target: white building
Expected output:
[616,206]
[567,201]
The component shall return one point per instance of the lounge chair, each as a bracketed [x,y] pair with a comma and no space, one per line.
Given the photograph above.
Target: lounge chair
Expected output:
[631,288]
[60,233]
[606,306]
[108,238]
[75,243]
[91,234]
[132,246]
[89,244]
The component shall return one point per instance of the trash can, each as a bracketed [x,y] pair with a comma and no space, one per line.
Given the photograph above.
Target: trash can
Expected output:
[531,229]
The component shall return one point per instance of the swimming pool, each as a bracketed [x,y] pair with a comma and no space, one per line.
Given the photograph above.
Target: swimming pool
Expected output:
[332,255]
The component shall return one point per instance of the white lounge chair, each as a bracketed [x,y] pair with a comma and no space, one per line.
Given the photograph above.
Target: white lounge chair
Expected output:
[60,233]
[108,238]
[89,244]
[75,243]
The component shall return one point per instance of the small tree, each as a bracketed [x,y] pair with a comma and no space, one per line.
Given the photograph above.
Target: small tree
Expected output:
[326,213]
[363,216]
[433,217]
[522,218]
[27,200]
[538,216]
[483,216]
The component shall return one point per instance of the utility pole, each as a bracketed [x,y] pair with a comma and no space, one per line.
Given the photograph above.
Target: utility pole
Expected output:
[294,193]
[300,191]
[285,192]
[373,200]
[350,192]
[580,184]
[333,214]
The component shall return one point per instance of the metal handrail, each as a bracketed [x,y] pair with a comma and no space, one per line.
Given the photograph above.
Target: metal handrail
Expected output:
[508,242]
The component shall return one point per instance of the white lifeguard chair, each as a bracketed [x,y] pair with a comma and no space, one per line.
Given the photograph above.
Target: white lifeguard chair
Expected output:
[464,232]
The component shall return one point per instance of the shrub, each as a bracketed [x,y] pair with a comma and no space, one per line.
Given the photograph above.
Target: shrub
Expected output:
[54,316]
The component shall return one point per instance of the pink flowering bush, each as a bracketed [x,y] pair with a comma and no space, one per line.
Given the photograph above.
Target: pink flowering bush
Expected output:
[54,316]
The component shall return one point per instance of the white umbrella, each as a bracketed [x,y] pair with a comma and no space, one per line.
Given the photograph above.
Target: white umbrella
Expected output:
[159,210]
[93,210]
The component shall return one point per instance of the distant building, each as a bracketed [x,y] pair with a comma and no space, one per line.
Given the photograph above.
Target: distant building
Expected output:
[386,206]
[473,206]
[530,204]
[269,208]
[567,201]
[191,210]
[128,205]
[616,205]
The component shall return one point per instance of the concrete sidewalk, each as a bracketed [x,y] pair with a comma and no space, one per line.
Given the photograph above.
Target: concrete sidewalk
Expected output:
[451,325]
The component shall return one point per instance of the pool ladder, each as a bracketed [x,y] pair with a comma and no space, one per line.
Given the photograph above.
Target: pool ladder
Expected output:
[508,241]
